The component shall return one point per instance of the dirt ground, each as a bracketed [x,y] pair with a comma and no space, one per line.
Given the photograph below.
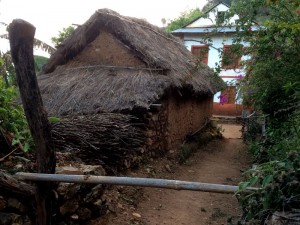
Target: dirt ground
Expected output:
[221,162]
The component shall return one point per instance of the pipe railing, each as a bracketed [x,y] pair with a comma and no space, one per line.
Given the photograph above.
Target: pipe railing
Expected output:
[133,181]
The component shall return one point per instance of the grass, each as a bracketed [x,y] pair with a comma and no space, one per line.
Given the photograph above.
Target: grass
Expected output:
[185,152]
[217,213]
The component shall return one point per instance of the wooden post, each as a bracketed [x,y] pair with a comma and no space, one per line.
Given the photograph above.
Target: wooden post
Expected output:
[21,35]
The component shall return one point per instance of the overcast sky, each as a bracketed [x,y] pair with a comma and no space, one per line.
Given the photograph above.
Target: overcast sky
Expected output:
[50,16]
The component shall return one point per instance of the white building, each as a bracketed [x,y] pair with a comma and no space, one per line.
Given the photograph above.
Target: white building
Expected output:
[213,46]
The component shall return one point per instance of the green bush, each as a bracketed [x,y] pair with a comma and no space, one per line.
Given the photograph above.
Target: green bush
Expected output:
[271,86]
[12,118]
[280,188]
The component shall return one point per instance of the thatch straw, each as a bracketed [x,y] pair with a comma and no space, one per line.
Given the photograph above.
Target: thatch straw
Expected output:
[168,64]
[111,139]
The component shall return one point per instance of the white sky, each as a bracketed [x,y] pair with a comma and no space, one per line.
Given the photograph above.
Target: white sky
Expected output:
[50,16]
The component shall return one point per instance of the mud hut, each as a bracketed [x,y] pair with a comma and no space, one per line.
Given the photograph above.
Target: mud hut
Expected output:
[117,64]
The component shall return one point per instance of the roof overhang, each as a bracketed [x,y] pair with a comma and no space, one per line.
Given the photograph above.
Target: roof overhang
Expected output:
[199,30]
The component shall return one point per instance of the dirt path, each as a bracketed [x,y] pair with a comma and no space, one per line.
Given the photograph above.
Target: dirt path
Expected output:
[221,162]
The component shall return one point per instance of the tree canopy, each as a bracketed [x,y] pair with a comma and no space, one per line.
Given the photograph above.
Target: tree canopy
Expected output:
[62,35]
[188,16]
[39,61]
[185,18]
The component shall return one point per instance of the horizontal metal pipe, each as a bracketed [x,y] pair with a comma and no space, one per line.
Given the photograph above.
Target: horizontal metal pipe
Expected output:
[132,181]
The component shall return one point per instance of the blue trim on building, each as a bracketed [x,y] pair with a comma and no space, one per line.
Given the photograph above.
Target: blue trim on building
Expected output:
[209,30]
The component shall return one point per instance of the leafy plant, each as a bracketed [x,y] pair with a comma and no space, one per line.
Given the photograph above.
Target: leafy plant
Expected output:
[279,188]
[39,61]
[271,87]
[62,36]
[7,69]
[13,124]
[185,152]
[185,18]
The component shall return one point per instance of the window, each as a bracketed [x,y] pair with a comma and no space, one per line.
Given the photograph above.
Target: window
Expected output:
[231,57]
[228,95]
[201,52]
[220,17]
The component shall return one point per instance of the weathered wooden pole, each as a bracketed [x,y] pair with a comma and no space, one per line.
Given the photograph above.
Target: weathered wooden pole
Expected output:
[21,35]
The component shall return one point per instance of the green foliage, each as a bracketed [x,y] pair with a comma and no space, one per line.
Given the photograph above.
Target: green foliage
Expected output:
[12,118]
[184,19]
[185,152]
[13,124]
[62,36]
[217,213]
[279,189]
[231,56]
[43,46]
[272,81]
[39,61]
[281,138]
[252,128]
[272,87]
[53,119]
[7,70]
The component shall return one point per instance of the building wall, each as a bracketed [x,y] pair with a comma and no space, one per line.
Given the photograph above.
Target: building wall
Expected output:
[230,76]
[185,116]
[203,28]
[227,109]
[156,124]
[175,119]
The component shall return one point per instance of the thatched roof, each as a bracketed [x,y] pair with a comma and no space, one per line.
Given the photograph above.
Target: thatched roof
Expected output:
[71,85]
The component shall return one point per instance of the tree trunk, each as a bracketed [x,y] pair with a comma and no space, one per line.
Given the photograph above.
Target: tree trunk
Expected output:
[21,35]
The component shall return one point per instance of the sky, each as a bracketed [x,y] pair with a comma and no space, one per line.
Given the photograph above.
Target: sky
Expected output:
[51,16]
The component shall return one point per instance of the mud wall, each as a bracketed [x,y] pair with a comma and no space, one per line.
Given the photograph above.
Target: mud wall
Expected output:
[156,122]
[186,116]
[106,50]
[175,119]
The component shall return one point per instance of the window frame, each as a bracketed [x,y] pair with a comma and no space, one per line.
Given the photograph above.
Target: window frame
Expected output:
[204,59]
[230,92]
[236,63]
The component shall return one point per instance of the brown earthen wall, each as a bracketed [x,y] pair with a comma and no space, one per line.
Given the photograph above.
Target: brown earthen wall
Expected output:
[186,116]
[106,50]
